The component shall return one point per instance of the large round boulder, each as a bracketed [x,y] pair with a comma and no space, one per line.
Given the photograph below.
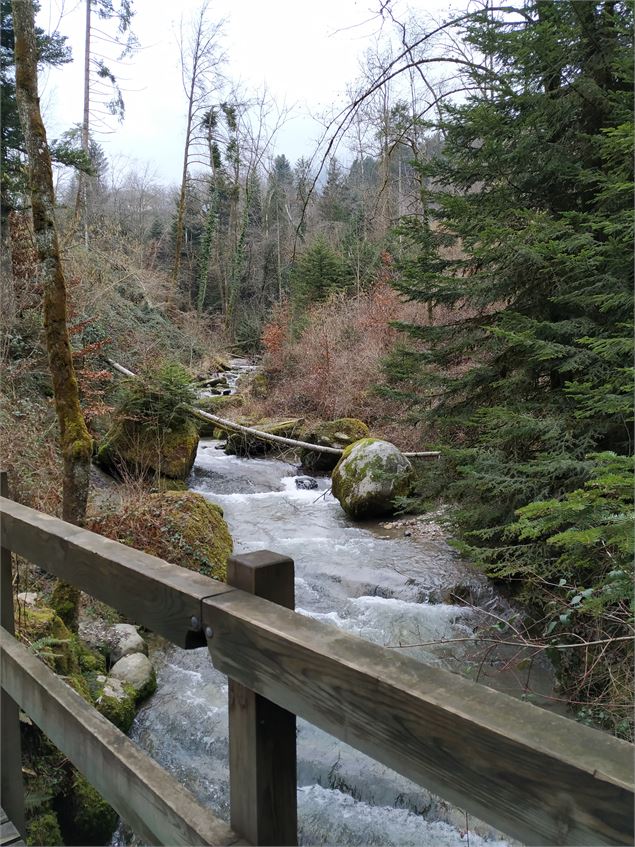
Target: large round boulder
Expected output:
[369,477]
[133,447]
[180,526]
[339,434]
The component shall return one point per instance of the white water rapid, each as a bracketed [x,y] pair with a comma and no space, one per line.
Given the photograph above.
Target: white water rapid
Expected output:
[368,580]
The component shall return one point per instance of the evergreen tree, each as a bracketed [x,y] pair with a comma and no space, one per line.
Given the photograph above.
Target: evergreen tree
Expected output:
[528,247]
[316,273]
[335,201]
[52,50]
[537,206]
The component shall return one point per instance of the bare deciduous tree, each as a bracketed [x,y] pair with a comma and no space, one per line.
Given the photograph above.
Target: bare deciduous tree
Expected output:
[76,442]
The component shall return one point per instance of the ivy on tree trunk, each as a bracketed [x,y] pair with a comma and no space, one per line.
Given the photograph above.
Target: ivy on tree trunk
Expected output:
[76,442]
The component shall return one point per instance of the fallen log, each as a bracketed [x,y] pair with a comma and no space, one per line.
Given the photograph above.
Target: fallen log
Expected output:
[265,436]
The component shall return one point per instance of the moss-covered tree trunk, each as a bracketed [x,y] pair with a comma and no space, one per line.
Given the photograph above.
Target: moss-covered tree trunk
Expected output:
[76,442]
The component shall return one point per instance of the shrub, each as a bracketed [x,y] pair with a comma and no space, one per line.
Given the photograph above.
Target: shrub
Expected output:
[157,397]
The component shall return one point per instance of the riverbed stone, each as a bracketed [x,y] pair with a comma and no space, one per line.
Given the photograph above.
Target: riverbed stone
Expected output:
[306,483]
[115,700]
[339,434]
[369,477]
[136,671]
[124,639]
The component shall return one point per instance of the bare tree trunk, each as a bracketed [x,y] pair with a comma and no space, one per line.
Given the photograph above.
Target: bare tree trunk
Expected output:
[76,442]
[83,178]
[180,216]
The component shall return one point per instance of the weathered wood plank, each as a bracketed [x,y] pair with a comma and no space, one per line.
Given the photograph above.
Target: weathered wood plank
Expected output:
[161,596]
[149,799]
[537,776]
[11,780]
[262,736]
[9,835]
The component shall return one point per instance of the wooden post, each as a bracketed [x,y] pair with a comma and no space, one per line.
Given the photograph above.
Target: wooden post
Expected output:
[262,736]
[11,784]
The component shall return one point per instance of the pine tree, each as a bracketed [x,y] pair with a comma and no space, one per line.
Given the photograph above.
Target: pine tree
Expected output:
[527,247]
[52,50]
[317,273]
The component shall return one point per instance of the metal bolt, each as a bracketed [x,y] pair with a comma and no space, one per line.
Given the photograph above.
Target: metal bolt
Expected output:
[196,624]
[209,632]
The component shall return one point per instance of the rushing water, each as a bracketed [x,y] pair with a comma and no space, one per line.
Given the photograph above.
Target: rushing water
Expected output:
[363,578]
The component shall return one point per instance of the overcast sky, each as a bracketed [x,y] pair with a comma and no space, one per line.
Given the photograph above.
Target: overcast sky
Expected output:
[306,52]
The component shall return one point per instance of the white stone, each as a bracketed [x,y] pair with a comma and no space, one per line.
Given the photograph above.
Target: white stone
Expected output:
[124,640]
[135,670]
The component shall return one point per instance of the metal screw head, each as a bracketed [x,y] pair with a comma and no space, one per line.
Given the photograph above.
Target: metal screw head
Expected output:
[209,632]
[195,623]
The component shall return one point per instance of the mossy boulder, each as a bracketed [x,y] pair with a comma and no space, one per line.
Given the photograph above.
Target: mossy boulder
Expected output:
[369,477]
[47,634]
[136,671]
[180,526]
[246,444]
[87,818]
[339,434]
[114,699]
[137,448]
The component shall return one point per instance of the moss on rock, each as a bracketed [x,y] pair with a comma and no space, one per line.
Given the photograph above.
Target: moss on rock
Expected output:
[114,699]
[369,477]
[339,434]
[44,830]
[47,634]
[246,444]
[180,526]
[146,450]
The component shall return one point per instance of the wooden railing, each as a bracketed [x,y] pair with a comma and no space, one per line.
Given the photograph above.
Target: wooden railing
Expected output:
[539,777]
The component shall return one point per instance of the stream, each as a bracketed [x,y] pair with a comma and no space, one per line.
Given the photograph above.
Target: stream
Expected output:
[366,579]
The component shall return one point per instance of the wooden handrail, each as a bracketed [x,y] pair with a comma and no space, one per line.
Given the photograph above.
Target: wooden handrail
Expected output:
[539,777]
[150,800]
[161,596]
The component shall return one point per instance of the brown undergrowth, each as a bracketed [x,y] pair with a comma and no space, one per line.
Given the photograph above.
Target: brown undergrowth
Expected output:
[330,363]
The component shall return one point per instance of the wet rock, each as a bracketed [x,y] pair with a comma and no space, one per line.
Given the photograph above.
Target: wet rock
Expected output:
[369,477]
[306,483]
[115,701]
[136,671]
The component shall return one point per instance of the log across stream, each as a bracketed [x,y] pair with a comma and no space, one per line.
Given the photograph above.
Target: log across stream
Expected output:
[366,579]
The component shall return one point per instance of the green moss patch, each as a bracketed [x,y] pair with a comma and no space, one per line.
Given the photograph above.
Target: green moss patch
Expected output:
[87,819]
[145,450]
